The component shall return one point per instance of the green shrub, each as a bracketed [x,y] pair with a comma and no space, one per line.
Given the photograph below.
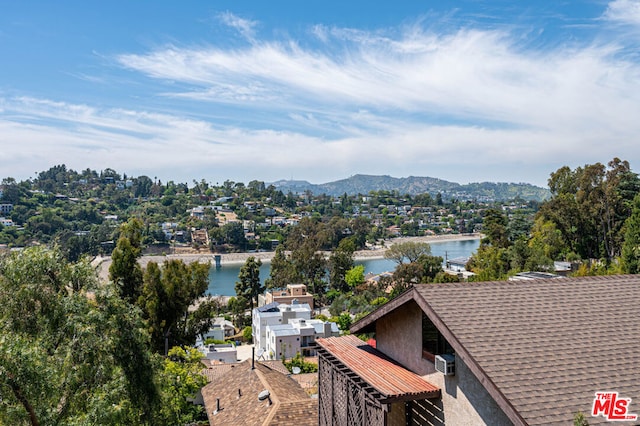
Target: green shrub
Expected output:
[304,366]
[247,333]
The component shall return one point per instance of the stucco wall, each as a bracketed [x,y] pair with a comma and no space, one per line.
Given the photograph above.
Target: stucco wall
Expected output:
[290,345]
[399,336]
[465,401]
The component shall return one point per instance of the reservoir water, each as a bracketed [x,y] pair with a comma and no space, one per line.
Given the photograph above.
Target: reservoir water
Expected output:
[222,280]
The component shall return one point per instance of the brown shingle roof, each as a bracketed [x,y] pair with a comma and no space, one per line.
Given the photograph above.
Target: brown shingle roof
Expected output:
[542,348]
[290,405]
[214,370]
[389,378]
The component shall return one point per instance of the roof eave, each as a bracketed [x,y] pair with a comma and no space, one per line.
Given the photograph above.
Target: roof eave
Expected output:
[390,399]
[367,323]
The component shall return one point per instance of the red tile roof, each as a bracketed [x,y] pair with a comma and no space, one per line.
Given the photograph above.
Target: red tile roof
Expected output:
[389,378]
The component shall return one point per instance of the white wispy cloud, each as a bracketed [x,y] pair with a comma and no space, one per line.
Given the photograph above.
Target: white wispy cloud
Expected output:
[468,104]
[623,11]
[467,75]
[245,27]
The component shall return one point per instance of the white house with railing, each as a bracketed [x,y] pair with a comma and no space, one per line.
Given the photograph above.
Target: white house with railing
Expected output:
[281,329]
[298,336]
[274,314]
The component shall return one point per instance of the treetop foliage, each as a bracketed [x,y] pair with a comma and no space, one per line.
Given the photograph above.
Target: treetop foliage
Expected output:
[73,352]
[248,285]
[409,250]
[589,218]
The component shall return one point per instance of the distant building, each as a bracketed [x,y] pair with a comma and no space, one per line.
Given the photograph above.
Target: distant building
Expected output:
[6,208]
[6,222]
[457,264]
[220,330]
[197,212]
[294,293]
[564,268]
[274,314]
[298,336]
[533,275]
[200,236]
[226,353]
[285,330]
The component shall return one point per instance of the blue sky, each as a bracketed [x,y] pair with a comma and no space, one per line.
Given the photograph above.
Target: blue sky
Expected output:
[466,91]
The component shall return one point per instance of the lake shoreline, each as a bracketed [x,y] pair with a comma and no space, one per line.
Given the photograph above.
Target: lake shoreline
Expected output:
[266,256]
[102,264]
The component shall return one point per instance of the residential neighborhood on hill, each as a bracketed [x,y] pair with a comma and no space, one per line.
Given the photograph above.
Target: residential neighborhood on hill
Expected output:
[319,213]
[536,326]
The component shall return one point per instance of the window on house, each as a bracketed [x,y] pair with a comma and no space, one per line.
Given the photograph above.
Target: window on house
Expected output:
[433,343]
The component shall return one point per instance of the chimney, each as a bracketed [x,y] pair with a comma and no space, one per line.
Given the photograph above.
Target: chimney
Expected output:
[327,329]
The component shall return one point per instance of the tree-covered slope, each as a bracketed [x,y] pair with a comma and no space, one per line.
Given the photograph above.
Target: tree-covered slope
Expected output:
[413,185]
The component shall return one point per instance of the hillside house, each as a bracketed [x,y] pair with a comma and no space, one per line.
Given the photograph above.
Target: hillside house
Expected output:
[6,222]
[457,264]
[294,293]
[200,236]
[6,208]
[488,353]
[285,330]
[298,336]
[226,352]
[221,329]
[274,314]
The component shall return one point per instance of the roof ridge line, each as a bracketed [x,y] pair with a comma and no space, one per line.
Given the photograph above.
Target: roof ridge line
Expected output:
[275,401]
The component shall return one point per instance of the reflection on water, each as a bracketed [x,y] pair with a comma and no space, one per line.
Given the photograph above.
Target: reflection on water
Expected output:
[222,280]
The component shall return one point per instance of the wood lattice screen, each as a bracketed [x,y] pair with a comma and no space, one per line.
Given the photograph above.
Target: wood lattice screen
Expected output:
[343,399]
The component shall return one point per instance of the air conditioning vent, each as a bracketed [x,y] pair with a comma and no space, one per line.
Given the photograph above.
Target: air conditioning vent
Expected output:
[446,364]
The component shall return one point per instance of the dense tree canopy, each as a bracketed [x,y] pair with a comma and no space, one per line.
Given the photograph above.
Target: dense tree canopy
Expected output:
[72,351]
[181,380]
[409,251]
[282,272]
[631,246]
[167,293]
[494,226]
[589,206]
[125,272]
[340,262]
[248,285]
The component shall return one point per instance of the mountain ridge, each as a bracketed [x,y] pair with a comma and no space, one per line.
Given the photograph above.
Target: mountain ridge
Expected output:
[414,185]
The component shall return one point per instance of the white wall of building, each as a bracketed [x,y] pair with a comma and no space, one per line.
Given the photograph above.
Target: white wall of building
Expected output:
[224,353]
[275,315]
